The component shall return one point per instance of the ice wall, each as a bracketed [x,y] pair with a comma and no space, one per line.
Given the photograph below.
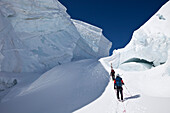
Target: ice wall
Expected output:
[150,42]
[92,39]
[48,33]
[14,56]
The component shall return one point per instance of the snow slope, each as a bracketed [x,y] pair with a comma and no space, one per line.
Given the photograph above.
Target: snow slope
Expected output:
[48,32]
[84,87]
[63,89]
[138,99]
[11,84]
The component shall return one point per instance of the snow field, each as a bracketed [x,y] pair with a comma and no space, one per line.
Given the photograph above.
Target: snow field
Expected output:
[63,89]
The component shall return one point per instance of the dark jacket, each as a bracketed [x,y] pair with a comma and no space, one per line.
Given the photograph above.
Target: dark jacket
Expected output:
[112,74]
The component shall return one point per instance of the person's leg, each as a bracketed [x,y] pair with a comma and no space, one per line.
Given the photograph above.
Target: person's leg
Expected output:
[121,92]
[113,78]
[117,93]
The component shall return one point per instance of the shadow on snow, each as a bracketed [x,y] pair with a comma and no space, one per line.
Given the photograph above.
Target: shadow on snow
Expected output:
[132,97]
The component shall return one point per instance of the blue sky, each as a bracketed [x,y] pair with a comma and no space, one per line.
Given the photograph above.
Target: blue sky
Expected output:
[117,18]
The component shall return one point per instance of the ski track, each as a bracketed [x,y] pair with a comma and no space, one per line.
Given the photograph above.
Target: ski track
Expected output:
[121,106]
[131,102]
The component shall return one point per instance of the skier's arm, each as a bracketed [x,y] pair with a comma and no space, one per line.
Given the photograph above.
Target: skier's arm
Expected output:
[122,82]
[114,84]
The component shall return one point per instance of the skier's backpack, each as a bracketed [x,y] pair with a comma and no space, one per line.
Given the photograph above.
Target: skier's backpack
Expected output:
[118,81]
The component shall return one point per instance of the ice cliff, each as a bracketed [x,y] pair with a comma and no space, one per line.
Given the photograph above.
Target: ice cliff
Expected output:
[149,45]
[14,56]
[42,35]
[92,39]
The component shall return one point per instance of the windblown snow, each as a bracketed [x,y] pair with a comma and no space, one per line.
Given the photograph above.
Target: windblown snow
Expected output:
[37,35]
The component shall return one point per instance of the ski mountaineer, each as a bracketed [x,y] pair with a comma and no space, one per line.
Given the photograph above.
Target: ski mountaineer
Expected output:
[118,82]
[112,73]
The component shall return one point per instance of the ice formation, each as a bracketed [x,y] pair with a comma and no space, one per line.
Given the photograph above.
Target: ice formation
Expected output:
[92,39]
[150,43]
[48,34]
[14,56]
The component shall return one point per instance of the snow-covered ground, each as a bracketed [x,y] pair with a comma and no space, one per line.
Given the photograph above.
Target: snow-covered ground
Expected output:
[143,93]
[85,87]
[63,89]
[12,84]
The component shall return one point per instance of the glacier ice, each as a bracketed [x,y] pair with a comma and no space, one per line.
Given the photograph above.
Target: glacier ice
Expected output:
[150,42]
[14,56]
[92,37]
[49,35]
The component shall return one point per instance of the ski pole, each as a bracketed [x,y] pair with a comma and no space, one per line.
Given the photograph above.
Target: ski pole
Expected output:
[128,90]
